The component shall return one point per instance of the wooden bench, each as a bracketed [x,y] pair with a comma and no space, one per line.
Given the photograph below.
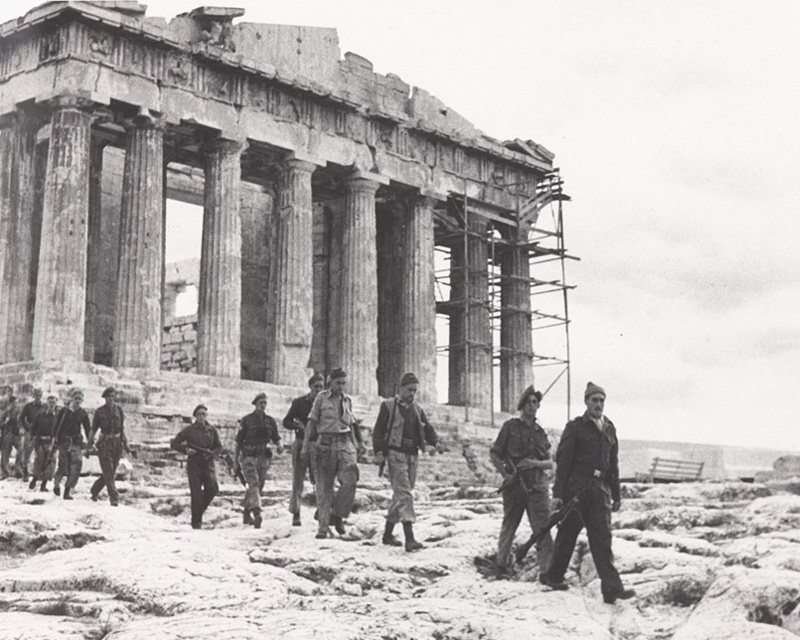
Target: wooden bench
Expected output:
[666,470]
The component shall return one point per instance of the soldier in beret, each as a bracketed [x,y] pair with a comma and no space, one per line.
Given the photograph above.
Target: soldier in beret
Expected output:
[253,455]
[200,442]
[521,453]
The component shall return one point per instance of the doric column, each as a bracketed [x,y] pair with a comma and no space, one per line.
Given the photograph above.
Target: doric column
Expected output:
[355,318]
[418,304]
[138,326]
[17,168]
[390,235]
[470,328]
[516,343]
[290,347]
[220,291]
[58,328]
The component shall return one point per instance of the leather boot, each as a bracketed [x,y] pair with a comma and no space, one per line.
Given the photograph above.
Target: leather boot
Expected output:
[411,543]
[389,538]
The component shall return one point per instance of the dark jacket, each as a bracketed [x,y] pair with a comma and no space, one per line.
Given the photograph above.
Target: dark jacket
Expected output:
[203,436]
[29,413]
[256,430]
[43,426]
[108,420]
[300,409]
[582,450]
[69,423]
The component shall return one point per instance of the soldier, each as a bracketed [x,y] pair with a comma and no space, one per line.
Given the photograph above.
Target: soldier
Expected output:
[330,427]
[69,440]
[42,433]
[400,432]
[200,442]
[109,420]
[587,466]
[256,431]
[295,420]
[521,454]
[9,426]
[28,415]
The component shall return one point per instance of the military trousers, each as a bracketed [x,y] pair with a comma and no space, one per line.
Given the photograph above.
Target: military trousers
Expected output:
[254,470]
[24,454]
[70,463]
[516,502]
[8,443]
[44,464]
[109,452]
[203,484]
[299,468]
[335,459]
[594,512]
[402,471]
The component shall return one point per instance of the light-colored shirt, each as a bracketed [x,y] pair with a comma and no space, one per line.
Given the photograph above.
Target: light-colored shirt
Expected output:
[331,414]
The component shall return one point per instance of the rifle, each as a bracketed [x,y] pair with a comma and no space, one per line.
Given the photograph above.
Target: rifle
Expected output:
[555,518]
[512,478]
[224,456]
[54,444]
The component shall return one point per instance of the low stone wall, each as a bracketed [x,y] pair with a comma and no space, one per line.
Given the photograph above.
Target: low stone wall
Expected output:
[179,345]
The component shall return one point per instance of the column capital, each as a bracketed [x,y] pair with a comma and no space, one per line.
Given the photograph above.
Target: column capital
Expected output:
[71,102]
[296,164]
[227,146]
[365,181]
[302,156]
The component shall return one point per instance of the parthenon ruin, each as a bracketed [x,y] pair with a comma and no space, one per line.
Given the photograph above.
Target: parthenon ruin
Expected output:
[326,188]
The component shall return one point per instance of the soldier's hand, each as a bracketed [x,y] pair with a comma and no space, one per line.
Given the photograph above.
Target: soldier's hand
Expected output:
[305,453]
[379,458]
[616,505]
[556,504]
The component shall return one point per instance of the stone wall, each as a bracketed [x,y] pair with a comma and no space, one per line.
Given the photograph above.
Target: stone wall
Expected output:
[179,345]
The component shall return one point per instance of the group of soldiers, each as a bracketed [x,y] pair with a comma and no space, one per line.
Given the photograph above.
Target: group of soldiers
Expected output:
[59,438]
[328,446]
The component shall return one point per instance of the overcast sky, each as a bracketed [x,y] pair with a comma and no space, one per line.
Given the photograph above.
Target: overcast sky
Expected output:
[675,125]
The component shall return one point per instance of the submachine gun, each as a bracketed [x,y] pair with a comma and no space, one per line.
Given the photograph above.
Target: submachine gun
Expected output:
[225,457]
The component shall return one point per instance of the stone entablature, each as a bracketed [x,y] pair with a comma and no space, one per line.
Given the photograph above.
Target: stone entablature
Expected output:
[347,114]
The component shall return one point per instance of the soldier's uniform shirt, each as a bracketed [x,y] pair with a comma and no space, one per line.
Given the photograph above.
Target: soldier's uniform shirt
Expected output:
[520,442]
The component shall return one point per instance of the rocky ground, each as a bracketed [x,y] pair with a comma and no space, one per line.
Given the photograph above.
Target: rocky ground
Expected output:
[708,561]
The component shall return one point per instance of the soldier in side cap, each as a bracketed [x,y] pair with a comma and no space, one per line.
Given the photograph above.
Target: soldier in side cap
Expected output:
[295,420]
[330,428]
[521,453]
[109,421]
[200,442]
[253,456]
[401,431]
[587,467]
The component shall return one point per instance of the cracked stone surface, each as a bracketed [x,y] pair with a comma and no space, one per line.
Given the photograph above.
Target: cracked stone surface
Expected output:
[709,560]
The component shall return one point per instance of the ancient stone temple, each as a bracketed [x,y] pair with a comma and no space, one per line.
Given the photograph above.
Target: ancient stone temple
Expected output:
[325,187]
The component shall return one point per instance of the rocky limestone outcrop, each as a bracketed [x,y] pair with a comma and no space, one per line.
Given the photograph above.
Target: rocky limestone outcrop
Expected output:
[708,560]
